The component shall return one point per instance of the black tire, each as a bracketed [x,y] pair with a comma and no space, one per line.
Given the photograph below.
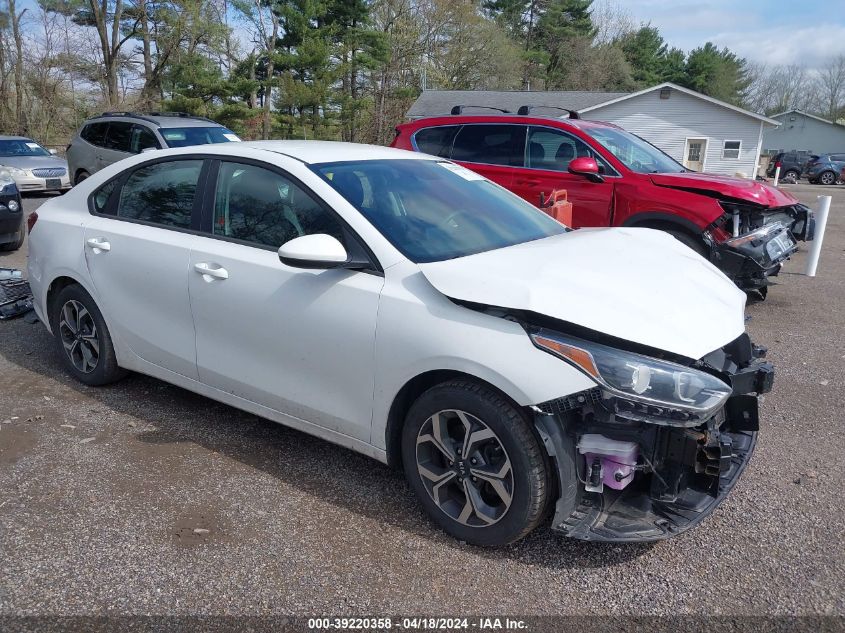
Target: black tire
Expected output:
[104,369]
[827,178]
[80,176]
[13,246]
[791,173]
[514,443]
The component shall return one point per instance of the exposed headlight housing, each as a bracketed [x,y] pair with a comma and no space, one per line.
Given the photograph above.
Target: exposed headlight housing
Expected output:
[658,389]
[756,236]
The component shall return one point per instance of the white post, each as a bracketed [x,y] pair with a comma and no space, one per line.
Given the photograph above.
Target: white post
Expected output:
[821,223]
[777,175]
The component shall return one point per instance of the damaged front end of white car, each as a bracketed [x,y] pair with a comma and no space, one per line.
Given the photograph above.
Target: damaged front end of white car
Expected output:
[657,444]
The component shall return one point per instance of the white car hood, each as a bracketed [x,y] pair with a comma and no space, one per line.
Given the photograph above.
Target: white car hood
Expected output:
[640,285]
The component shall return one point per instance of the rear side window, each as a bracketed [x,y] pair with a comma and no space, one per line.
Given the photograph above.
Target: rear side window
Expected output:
[119,136]
[102,195]
[490,144]
[95,133]
[142,138]
[263,207]
[162,193]
[436,141]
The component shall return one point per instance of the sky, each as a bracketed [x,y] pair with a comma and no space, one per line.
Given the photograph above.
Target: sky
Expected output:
[774,31]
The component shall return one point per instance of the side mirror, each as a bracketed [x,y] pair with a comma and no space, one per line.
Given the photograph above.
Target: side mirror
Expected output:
[313,251]
[587,167]
[52,152]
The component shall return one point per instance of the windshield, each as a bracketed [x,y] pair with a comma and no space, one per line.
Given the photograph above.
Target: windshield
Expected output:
[635,153]
[184,136]
[22,147]
[435,210]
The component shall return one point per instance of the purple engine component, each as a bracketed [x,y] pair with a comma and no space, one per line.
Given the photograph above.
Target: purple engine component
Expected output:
[617,459]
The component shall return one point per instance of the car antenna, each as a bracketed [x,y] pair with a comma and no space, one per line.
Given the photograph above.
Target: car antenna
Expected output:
[523,110]
[458,109]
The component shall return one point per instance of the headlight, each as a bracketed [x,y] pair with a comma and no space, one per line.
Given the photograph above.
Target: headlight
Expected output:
[17,172]
[642,379]
[5,177]
[763,233]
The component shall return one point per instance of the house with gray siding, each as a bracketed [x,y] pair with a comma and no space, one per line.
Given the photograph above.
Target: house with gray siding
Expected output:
[700,132]
[801,131]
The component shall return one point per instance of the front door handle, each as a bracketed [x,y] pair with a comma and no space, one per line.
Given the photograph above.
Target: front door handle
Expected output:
[98,244]
[210,272]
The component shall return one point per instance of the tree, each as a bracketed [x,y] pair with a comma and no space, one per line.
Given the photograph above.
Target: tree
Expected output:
[831,88]
[263,19]
[645,51]
[561,22]
[717,73]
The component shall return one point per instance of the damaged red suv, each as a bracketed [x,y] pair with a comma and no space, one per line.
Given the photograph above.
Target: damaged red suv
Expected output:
[615,178]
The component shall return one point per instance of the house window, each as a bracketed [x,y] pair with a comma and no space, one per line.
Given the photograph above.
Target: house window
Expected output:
[731,149]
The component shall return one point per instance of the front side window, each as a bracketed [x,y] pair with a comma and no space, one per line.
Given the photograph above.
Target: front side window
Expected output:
[142,138]
[185,136]
[731,150]
[263,207]
[119,136]
[435,210]
[635,153]
[490,144]
[22,147]
[554,150]
[162,193]
[436,141]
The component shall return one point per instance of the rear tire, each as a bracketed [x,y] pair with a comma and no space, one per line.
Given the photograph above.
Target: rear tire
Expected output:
[80,176]
[83,338]
[475,463]
[827,178]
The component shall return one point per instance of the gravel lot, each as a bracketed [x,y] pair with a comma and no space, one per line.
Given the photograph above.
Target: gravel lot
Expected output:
[101,489]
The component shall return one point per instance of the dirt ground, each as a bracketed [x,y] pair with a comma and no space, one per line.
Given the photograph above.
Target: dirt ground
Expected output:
[143,498]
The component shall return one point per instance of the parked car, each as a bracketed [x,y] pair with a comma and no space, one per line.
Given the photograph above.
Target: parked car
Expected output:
[791,164]
[614,178]
[33,167]
[825,169]
[113,136]
[12,230]
[409,309]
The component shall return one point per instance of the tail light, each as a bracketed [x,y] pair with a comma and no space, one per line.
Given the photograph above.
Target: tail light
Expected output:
[31,219]
[778,164]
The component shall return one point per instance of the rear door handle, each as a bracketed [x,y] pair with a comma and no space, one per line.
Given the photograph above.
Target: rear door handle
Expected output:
[98,244]
[210,272]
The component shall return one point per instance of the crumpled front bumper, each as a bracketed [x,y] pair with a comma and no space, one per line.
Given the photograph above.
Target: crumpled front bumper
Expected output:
[685,473]
[752,263]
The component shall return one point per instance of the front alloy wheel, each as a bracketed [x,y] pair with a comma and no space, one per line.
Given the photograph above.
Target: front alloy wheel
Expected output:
[464,468]
[475,463]
[78,332]
[827,178]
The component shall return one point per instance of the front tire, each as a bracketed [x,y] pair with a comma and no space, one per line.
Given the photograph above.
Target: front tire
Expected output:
[791,173]
[83,338]
[475,463]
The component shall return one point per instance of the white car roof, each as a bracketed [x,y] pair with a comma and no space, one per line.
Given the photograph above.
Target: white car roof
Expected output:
[329,151]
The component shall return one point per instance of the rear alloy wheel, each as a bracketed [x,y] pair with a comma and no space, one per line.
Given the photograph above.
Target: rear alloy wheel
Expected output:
[827,178]
[83,337]
[475,463]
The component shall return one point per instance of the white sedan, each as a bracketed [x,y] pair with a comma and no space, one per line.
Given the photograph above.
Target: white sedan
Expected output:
[409,309]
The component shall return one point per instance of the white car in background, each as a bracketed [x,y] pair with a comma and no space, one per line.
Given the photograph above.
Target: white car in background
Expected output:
[33,167]
[407,308]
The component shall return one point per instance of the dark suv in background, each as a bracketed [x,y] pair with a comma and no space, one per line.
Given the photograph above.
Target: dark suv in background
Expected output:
[825,169]
[112,136]
[791,164]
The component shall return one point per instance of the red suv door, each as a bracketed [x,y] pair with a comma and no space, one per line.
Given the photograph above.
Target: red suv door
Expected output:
[547,156]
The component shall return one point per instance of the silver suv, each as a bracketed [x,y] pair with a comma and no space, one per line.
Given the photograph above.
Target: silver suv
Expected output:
[112,136]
